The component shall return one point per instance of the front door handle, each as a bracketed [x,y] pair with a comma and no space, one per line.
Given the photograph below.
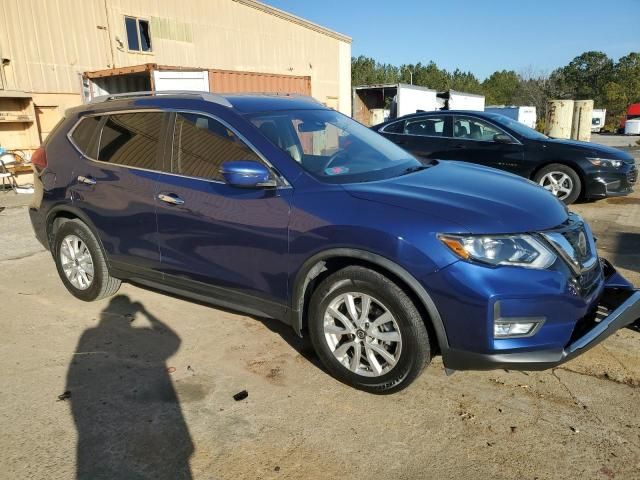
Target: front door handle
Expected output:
[86,180]
[170,198]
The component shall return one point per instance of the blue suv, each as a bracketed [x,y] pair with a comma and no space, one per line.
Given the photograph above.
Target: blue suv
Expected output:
[279,207]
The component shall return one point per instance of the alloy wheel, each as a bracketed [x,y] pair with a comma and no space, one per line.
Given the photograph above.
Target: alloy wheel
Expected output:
[362,334]
[76,262]
[558,183]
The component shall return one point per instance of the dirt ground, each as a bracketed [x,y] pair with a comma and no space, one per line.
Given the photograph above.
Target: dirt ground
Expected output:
[158,374]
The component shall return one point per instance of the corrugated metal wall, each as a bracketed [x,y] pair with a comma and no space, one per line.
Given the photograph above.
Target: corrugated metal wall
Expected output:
[225,81]
[51,42]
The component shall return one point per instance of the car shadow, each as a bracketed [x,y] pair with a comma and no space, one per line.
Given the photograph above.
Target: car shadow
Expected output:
[627,255]
[126,411]
[626,251]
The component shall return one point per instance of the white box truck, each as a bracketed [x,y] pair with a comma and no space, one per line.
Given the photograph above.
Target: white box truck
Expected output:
[598,117]
[525,115]
[632,127]
[399,98]
[453,100]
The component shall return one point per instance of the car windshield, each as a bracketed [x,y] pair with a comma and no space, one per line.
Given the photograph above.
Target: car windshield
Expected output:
[520,128]
[333,147]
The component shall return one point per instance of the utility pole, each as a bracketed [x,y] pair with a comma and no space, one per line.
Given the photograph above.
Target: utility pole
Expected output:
[410,75]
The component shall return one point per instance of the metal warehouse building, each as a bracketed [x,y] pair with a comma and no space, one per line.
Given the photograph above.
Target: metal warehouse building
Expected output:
[58,53]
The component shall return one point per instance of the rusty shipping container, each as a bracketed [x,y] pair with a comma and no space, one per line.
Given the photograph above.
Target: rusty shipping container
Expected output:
[152,77]
[230,81]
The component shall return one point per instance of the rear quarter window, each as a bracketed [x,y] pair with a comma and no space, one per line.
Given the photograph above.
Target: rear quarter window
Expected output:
[85,136]
[131,139]
[397,127]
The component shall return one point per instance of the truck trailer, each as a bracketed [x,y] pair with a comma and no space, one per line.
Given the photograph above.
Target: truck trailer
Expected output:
[454,100]
[598,117]
[525,115]
[373,104]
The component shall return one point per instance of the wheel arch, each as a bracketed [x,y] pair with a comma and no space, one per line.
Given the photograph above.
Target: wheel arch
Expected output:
[567,163]
[318,267]
[59,214]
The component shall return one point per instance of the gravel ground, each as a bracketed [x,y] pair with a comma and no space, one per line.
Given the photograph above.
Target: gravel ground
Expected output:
[616,140]
[158,373]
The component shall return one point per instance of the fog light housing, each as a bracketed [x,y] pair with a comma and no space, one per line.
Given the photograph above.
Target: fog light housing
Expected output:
[515,329]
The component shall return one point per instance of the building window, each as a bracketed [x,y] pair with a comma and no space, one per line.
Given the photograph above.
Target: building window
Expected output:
[138,34]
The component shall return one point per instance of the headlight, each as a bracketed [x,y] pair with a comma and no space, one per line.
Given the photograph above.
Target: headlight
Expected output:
[516,250]
[605,162]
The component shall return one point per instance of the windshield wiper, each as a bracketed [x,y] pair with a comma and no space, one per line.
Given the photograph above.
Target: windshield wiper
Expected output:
[415,168]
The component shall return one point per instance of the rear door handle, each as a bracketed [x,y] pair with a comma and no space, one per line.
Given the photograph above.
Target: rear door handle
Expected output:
[170,198]
[86,180]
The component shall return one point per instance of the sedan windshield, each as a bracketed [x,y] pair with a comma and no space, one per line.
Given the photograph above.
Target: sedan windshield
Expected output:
[333,147]
[519,128]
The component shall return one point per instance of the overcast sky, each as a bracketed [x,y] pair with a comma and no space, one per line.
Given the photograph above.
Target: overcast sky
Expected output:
[479,36]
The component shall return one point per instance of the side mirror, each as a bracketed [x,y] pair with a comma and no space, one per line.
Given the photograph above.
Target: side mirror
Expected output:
[247,174]
[502,138]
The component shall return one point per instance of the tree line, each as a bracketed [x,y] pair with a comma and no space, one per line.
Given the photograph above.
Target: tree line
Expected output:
[591,75]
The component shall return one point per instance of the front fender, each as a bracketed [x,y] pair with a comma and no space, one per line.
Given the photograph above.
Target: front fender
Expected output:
[314,266]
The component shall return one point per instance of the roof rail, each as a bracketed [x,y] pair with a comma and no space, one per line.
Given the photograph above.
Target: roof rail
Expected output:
[206,96]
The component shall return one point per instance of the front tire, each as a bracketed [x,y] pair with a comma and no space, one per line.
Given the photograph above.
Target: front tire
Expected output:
[561,180]
[81,263]
[367,332]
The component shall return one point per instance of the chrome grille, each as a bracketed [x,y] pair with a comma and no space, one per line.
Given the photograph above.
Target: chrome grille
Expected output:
[574,242]
[632,176]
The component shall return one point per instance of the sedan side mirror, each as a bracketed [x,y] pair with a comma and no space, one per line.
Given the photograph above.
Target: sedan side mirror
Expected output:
[502,138]
[247,174]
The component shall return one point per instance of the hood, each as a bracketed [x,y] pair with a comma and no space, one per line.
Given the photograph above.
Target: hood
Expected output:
[479,199]
[589,149]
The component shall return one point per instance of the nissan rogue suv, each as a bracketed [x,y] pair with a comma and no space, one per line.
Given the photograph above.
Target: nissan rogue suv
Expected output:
[279,207]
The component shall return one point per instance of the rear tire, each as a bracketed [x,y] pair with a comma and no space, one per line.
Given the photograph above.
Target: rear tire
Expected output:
[385,345]
[81,263]
[561,180]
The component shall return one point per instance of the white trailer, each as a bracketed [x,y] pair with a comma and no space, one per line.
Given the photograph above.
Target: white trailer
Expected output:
[598,118]
[453,100]
[398,98]
[525,115]
[196,80]
[632,127]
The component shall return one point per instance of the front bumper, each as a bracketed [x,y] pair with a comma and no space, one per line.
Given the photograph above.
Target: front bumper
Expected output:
[611,184]
[623,304]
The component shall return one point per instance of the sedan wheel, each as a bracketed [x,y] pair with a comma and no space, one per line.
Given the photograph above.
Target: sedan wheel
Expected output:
[362,334]
[561,180]
[558,183]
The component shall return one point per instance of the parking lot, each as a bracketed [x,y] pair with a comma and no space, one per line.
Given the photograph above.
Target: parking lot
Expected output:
[162,371]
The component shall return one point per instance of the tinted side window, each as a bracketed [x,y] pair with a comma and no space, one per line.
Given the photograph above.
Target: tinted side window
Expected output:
[474,129]
[85,136]
[429,127]
[201,145]
[131,139]
[397,127]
